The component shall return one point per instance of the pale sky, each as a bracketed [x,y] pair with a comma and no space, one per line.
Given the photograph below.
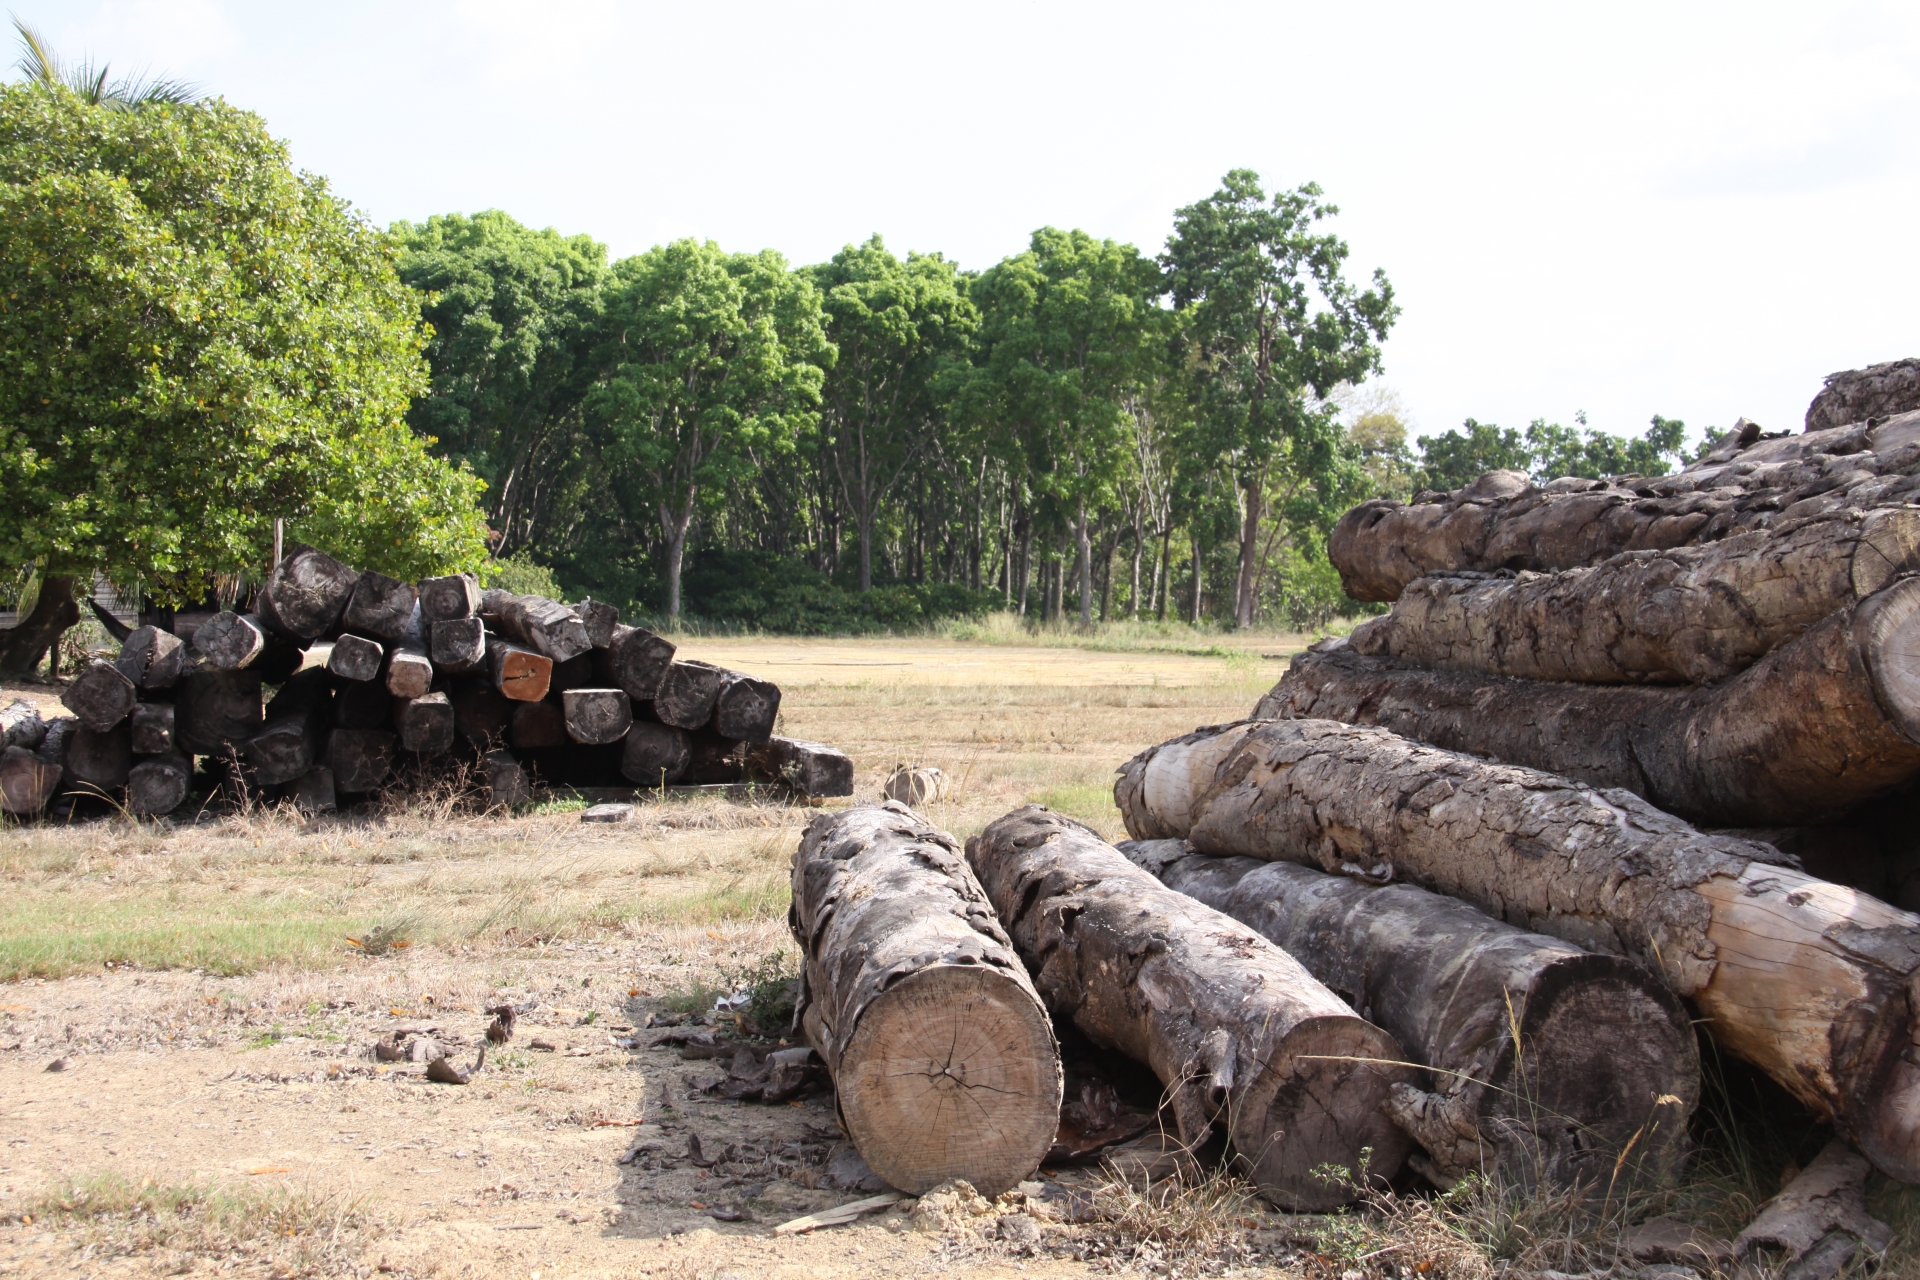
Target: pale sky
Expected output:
[1691,209]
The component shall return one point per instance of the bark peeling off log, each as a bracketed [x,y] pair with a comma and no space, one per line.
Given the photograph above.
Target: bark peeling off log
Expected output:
[942,1055]
[1816,728]
[305,594]
[101,696]
[152,658]
[1241,1034]
[1806,980]
[1606,1071]
[1823,1211]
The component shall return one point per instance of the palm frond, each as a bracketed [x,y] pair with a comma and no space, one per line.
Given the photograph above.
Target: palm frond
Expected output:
[41,65]
[37,59]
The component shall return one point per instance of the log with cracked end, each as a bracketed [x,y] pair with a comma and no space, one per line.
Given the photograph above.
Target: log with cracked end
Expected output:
[1806,980]
[519,674]
[159,784]
[101,696]
[942,1056]
[425,723]
[304,596]
[231,641]
[634,659]
[457,645]
[596,716]
[688,692]
[381,607]
[1241,1034]
[152,658]
[449,598]
[545,626]
[1548,1063]
[599,618]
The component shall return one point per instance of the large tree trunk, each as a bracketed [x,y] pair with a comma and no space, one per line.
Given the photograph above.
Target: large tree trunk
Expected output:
[425,724]
[1249,574]
[25,643]
[1806,980]
[943,1058]
[1243,1037]
[230,641]
[545,626]
[1083,550]
[596,716]
[159,784]
[1548,1063]
[457,645]
[449,598]
[1817,727]
[304,596]
[675,527]
[655,755]
[1693,615]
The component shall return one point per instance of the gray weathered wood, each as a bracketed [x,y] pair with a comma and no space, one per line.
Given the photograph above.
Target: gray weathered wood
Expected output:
[231,641]
[942,1055]
[654,755]
[21,725]
[380,607]
[713,759]
[152,658]
[747,708]
[599,618]
[687,693]
[445,599]
[426,723]
[99,761]
[101,695]
[636,660]
[304,596]
[458,645]
[356,658]
[596,715]
[360,759]
[812,768]
[159,784]
[152,728]
[545,626]
[409,673]
[1244,1038]
[507,782]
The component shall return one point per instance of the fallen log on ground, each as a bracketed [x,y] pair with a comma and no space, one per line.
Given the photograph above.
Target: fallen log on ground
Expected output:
[655,755]
[152,727]
[151,658]
[636,660]
[519,674]
[1814,729]
[231,641]
[381,607]
[1241,1034]
[942,1056]
[1806,980]
[1689,616]
[304,596]
[1819,1221]
[596,716]
[445,599]
[814,769]
[101,696]
[545,626]
[158,785]
[1549,1063]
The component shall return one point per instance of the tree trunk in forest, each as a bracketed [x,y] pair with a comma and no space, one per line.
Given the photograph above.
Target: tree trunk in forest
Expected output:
[1806,980]
[596,716]
[1026,566]
[425,723]
[1198,575]
[1133,595]
[519,674]
[674,525]
[158,785]
[635,660]
[655,755]
[1692,615]
[1244,1038]
[1245,586]
[1817,727]
[688,692]
[1163,576]
[545,626]
[101,696]
[942,1056]
[1548,1063]
[26,642]
[304,596]
[152,727]
[1083,552]
[151,658]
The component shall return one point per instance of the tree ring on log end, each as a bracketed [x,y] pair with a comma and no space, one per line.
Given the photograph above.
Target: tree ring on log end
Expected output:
[1887,629]
[952,1073]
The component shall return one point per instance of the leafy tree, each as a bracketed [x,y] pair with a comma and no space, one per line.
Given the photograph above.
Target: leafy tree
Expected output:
[1577,451]
[714,363]
[1276,327]
[198,340]
[1460,457]
[514,315]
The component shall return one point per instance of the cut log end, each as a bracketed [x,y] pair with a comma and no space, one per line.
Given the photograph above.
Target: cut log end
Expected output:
[952,1073]
[1888,629]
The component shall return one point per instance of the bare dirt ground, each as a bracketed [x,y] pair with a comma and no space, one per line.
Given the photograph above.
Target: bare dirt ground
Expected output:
[218,1109]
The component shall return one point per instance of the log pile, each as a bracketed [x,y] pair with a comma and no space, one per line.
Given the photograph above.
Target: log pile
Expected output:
[329,681]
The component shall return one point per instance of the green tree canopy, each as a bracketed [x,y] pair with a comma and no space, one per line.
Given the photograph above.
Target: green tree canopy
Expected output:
[1548,451]
[1460,457]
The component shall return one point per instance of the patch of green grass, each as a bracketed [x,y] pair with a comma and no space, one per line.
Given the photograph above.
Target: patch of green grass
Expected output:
[47,935]
[1091,803]
[555,804]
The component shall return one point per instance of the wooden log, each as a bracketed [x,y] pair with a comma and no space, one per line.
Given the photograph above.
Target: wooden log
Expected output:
[687,693]
[537,726]
[231,641]
[381,607]
[21,725]
[917,786]
[1806,980]
[1816,728]
[356,658]
[1548,1063]
[1693,615]
[596,715]
[655,755]
[409,673]
[545,626]
[813,769]
[458,645]
[426,723]
[360,759]
[519,674]
[576,672]
[481,715]
[215,711]
[712,758]
[747,708]
[304,596]
[314,793]
[361,704]
[152,728]
[152,658]
[599,618]
[101,696]
[449,598]
[1819,1221]
[159,784]
[942,1055]
[1244,1038]
[507,782]
[98,761]
[27,781]
[636,660]
[294,735]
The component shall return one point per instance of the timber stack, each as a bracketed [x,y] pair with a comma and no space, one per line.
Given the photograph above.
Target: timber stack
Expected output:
[332,681]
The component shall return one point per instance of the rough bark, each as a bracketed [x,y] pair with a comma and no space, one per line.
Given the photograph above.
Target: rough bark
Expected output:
[27,641]
[1816,728]
[152,728]
[1503,521]
[215,712]
[942,1056]
[101,696]
[314,793]
[814,769]
[294,735]
[230,641]
[304,596]
[542,625]
[596,716]
[1243,1037]
[1547,1063]
[381,607]
[21,725]
[452,597]
[599,618]
[507,782]
[655,755]
[152,658]
[482,715]
[636,660]
[458,645]
[98,761]
[1855,395]
[687,693]
[409,673]
[27,780]
[159,784]
[1822,1211]
[537,725]
[519,674]
[1690,616]
[1806,980]
[360,759]
[747,708]
[356,658]
[361,704]
[426,723]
